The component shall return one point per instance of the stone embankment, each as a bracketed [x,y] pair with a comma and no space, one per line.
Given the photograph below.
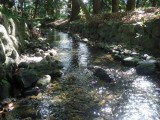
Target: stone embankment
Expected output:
[134,45]
[26,62]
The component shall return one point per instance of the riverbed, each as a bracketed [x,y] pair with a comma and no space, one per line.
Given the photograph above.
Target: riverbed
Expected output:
[79,95]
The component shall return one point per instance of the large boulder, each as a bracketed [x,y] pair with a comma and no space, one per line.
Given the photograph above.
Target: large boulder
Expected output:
[2,53]
[31,91]
[2,72]
[26,78]
[7,42]
[102,75]
[4,89]
[130,61]
[146,68]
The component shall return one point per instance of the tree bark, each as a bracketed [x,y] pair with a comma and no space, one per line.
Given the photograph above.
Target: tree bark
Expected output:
[115,4]
[154,3]
[137,4]
[75,10]
[97,6]
[130,5]
[36,7]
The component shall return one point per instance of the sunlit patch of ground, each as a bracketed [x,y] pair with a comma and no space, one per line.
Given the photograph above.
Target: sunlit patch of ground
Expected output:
[59,22]
[139,15]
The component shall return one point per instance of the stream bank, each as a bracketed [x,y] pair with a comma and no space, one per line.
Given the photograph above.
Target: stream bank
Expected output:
[132,44]
[93,87]
[27,64]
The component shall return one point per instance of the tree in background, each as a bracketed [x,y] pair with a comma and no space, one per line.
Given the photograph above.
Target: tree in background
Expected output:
[75,10]
[154,3]
[115,4]
[130,5]
[97,6]
[36,7]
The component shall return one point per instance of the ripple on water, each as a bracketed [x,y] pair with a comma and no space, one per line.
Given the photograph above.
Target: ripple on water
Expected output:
[81,96]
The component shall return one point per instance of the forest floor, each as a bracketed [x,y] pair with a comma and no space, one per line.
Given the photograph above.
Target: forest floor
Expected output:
[139,15]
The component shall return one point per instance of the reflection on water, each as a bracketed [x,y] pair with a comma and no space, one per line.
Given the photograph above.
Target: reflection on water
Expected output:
[141,101]
[81,96]
[73,54]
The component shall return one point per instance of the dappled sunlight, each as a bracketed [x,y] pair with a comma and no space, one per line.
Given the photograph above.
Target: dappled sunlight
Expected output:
[141,16]
[105,57]
[129,71]
[31,59]
[83,54]
[79,95]
[59,22]
[143,84]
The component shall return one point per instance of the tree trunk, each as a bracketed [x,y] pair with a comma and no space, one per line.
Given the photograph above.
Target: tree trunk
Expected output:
[36,8]
[130,5]
[97,6]
[137,4]
[84,9]
[154,3]
[75,10]
[115,5]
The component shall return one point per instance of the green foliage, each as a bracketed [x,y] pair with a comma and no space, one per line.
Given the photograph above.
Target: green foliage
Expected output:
[4,82]
[8,13]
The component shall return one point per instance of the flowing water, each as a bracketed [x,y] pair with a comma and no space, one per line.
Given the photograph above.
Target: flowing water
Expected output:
[79,95]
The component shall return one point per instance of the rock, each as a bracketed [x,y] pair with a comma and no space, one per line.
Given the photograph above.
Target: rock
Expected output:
[31,91]
[56,64]
[156,29]
[2,53]
[23,65]
[56,74]
[4,89]
[102,75]
[15,42]
[44,81]
[6,101]
[130,61]
[11,65]
[117,57]
[26,77]
[146,68]
[127,52]
[2,72]
[38,54]
[14,55]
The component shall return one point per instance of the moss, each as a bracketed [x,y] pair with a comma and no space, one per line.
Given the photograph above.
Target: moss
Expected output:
[4,82]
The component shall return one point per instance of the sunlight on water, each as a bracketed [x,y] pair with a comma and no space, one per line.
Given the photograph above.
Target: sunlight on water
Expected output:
[143,84]
[101,90]
[83,54]
[141,101]
[72,53]
[129,71]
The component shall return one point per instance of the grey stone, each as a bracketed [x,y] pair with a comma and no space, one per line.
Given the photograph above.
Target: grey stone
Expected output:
[26,78]
[147,68]
[130,61]
[14,55]
[31,91]
[4,90]
[102,75]
[56,74]
[2,53]
[23,65]
[44,81]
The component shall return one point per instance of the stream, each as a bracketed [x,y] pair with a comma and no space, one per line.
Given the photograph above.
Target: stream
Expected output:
[78,95]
